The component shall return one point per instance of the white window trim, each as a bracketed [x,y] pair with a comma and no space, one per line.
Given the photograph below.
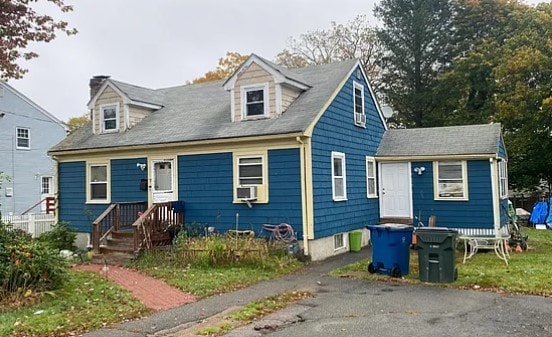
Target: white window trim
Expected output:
[262,189]
[266,102]
[117,117]
[89,199]
[464,181]
[50,184]
[503,178]
[374,178]
[340,155]
[17,137]
[343,243]
[357,85]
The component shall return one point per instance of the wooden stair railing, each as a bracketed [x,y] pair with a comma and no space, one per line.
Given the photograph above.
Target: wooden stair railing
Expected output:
[118,216]
[153,228]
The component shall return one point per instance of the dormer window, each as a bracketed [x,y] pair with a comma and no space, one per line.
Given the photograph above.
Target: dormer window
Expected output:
[110,117]
[255,102]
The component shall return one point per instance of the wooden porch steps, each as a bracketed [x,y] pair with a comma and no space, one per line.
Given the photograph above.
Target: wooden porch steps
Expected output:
[119,249]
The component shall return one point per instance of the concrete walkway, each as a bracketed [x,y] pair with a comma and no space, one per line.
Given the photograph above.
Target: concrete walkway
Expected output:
[163,322]
[153,293]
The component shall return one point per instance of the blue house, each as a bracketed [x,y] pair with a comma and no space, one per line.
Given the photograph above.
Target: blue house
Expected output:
[457,174]
[267,146]
[27,131]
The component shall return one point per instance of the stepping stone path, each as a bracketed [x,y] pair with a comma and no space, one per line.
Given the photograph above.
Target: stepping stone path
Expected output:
[153,293]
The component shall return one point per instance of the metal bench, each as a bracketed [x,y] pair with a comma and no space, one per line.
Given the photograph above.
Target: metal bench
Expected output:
[484,238]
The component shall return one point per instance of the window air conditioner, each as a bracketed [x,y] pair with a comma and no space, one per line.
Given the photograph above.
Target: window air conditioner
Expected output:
[247,193]
[360,119]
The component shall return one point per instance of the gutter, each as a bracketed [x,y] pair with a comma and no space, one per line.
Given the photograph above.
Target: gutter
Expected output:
[304,198]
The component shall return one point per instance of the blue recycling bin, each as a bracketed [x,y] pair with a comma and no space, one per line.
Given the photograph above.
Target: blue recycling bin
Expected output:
[390,249]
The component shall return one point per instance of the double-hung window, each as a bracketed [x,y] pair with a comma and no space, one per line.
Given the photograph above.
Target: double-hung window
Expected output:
[451,180]
[98,184]
[371,180]
[255,101]
[46,185]
[503,178]
[339,179]
[23,138]
[358,103]
[251,176]
[110,117]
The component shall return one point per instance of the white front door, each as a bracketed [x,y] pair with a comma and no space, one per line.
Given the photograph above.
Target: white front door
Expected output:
[163,180]
[395,190]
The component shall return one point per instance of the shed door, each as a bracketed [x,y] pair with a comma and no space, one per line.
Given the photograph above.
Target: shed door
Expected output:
[395,190]
[163,181]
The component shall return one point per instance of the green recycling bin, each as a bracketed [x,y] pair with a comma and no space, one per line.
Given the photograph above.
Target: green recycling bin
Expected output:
[355,241]
[436,254]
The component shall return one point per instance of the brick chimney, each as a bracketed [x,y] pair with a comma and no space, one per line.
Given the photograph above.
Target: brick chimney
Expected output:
[95,84]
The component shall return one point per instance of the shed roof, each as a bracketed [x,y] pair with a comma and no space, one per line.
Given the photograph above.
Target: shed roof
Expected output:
[197,112]
[440,141]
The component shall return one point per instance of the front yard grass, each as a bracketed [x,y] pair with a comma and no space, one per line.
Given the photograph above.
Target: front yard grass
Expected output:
[86,301]
[205,280]
[529,272]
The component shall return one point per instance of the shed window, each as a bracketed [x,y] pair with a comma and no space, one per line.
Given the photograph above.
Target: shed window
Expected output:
[503,178]
[23,136]
[339,179]
[451,181]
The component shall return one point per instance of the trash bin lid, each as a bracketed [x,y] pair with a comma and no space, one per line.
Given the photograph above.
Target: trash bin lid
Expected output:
[440,230]
[391,226]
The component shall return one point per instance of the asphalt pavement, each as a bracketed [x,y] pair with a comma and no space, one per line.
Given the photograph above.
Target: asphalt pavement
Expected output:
[349,307]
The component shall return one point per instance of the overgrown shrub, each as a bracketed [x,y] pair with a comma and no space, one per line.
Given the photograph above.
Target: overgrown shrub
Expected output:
[60,237]
[27,265]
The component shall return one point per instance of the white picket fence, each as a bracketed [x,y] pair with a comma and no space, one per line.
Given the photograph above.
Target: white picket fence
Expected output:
[34,224]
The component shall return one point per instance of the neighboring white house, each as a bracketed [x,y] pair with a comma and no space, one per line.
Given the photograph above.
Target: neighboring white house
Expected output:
[27,131]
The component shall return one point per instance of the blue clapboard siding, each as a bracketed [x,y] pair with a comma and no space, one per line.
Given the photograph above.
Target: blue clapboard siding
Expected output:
[335,131]
[125,187]
[502,149]
[477,212]
[205,185]
[125,180]
[72,206]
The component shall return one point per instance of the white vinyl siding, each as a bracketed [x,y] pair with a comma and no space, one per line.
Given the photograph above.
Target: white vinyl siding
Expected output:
[339,177]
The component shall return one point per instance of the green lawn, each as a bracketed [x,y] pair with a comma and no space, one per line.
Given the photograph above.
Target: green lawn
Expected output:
[203,281]
[529,272]
[87,301]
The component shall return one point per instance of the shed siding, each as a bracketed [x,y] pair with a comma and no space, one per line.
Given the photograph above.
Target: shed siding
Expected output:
[205,183]
[477,212]
[502,149]
[335,131]
[125,180]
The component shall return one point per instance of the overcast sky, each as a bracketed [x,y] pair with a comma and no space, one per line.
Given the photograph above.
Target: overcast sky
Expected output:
[163,43]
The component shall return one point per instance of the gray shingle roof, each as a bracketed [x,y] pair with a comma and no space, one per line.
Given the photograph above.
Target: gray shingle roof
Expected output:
[202,112]
[140,94]
[450,140]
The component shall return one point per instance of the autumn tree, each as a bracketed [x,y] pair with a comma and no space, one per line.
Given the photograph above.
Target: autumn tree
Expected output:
[523,95]
[416,37]
[226,66]
[354,39]
[76,122]
[20,25]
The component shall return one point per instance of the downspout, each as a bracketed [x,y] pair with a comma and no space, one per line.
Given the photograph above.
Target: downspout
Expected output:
[304,198]
[495,196]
